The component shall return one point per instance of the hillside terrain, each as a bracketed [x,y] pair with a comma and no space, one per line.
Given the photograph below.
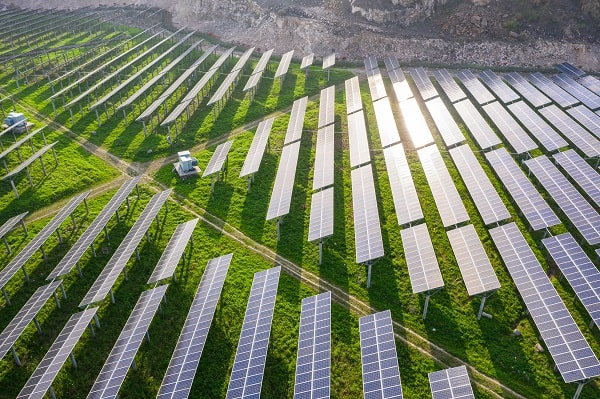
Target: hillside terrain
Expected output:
[529,33]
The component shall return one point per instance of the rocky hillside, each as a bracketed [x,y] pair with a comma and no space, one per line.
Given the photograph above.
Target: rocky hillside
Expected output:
[486,32]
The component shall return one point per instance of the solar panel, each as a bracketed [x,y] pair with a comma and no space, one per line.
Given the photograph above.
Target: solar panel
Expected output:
[475,87]
[584,95]
[479,128]
[294,129]
[587,118]
[474,264]
[249,364]
[353,99]
[217,161]
[380,371]
[583,216]
[400,85]
[391,63]
[170,257]
[500,89]
[371,63]
[313,364]
[591,83]
[25,164]
[406,201]
[122,354]
[447,127]
[192,93]
[528,199]
[11,223]
[446,197]
[482,191]
[106,78]
[358,141]
[257,148]
[510,129]
[258,70]
[159,76]
[26,314]
[572,354]
[367,231]
[415,123]
[178,379]
[139,72]
[580,137]
[527,90]
[423,268]
[307,61]
[581,172]
[118,261]
[321,215]
[43,376]
[423,83]
[386,123]
[449,85]
[324,158]
[36,243]
[281,198]
[579,270]
[87,238]
[546,135]
[108,63]
[329,61]
[284,64]
[327,107]
[550,89]
[376,85]
[451,384]
[570,70]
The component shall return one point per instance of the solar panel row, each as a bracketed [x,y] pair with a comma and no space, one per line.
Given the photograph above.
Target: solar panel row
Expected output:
[257,148]
[313,364]
[87,238]
[572,354]
[218,159]
[178,379]
[484,195]
[510,129]
[169,259]
[43,376]
[583,216]
[527,90]
[500,89]
[446,196]
[38,241]
[531,204]
[380,371]
[367,230]
[579,270]
[103,284]
[122,354]
[445,123]
[406,201]
[251,355]
[422,264]
[281,197]
[451,383]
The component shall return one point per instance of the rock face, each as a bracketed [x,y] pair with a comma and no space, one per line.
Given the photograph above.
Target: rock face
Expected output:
[403,12]
[455,32]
